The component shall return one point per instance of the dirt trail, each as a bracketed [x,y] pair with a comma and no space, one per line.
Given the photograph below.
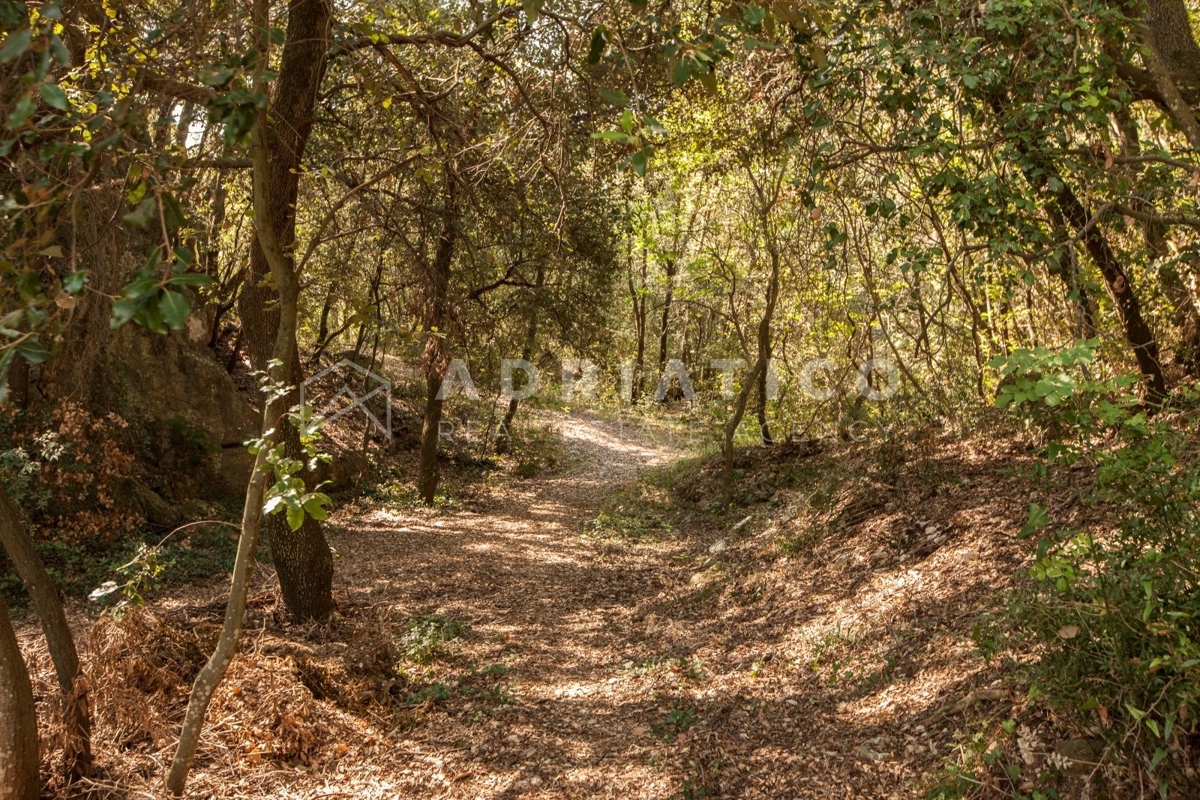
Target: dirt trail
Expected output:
[551,605]
[710,661]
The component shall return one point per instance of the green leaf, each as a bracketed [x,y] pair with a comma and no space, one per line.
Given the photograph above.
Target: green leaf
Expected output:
[754,15]
[174,309]
[315,506]
[615,136]
[123,310]
[639,161]
[33,351]
[22,110]
[1038,518]
[140,217]
[74,283]
[185,255]
[614,96]
[681,72]
[54,96]
[216,76]
[190,279]
[60,50]
[15,45]
[599,44]
[295,517]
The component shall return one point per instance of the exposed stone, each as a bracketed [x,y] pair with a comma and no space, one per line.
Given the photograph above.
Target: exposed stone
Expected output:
[182,405]
[1080,755]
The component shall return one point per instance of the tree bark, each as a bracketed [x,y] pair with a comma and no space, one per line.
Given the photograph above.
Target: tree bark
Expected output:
[756,373]
[531,333]
[77,719]
[287,285]
[764,346]
[302,558]
[1039,171]
[435,356]
[1160,40]
[18,720]
[637,295]
[1170,30]
[664,330]
[1137,332]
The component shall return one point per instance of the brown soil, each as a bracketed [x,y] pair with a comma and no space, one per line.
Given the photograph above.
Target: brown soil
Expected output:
[814,643]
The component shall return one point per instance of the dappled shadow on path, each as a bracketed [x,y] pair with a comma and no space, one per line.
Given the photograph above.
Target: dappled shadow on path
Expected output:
[627,677]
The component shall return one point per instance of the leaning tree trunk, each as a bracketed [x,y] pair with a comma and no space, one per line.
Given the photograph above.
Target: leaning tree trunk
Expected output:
[77,720]
[273,423]
[1137,331]
[1038,171]
[1187,316]
[435,358]
[18,720]
[302,558]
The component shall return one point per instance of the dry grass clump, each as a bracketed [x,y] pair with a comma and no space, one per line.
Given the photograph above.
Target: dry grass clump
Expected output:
[264,713]
[142,669]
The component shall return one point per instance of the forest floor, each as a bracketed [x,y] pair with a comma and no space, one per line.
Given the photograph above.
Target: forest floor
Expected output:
[610,629]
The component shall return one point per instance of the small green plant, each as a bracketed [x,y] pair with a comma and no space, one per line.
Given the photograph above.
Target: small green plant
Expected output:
[679,719]
[142,574]
[422,639]
[437,693]
[628,523]
[22,465]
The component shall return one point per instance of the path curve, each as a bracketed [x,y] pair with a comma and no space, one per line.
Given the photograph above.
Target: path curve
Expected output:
[548,602]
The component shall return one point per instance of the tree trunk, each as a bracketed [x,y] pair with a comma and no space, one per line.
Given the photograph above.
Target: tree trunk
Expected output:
[664,330]
[302,558]
[18,720]
[1171,40]
[435,358]
[77,720]
[323,328]
[756,373]
[761,393]
[1187,316]
[1038,172]
[527,354]
[1137,332]
[284,353]
[637,296]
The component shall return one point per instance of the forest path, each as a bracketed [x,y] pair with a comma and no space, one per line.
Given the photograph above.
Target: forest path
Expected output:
[552,606]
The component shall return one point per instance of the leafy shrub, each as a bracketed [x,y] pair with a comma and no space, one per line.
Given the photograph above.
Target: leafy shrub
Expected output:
[68,473]
[1114,613]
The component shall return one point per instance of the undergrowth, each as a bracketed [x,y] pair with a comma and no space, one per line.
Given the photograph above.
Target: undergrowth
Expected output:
[1111,611]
